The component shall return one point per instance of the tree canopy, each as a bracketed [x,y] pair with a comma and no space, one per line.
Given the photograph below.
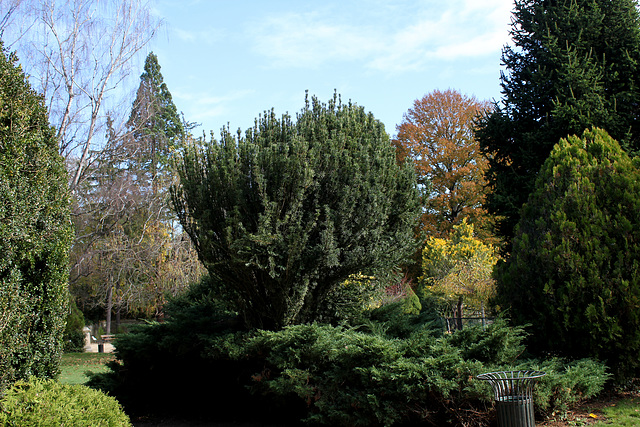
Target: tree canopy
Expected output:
[459,270]
[574,273]
[437,135]
[573,64]
[155,127]
[284,214]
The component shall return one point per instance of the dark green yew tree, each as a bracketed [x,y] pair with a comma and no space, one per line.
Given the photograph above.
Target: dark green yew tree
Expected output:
[573,64]
[281,216]
[574,273]
[35,232]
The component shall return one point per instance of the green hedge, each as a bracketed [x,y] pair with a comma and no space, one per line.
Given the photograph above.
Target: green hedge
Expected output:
[47,403]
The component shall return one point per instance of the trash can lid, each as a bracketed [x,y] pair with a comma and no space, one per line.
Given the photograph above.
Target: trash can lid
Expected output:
[511,375]
[512,383]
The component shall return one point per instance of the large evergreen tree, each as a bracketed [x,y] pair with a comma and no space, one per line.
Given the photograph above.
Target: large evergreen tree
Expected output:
[155,125]
[35,232]
[573,64]
[574,272]
[282,216]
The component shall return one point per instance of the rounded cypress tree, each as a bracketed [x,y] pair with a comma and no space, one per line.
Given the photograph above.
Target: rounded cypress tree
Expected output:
[574,272]
[281,216]
[35,232]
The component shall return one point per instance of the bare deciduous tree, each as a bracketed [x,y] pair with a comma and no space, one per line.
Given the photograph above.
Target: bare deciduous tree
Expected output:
[79,53]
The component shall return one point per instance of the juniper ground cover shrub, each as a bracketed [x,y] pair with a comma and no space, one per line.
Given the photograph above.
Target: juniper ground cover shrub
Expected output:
[328,375]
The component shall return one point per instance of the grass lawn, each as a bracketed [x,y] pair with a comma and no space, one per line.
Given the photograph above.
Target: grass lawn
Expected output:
[74,366]
[625,412]
[611,411]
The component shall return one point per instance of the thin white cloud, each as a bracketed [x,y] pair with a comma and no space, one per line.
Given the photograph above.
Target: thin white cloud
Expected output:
[467,29]
[306,40]
[453,30]
[204,108]
[208,37]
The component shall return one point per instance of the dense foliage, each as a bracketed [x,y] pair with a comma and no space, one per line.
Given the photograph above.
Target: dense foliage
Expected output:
[35,232]
[573,64]
[437,135]
[284,215]
[574,273]
[394,369]
[47,403]
[154,123]
[73,336]
[459,269]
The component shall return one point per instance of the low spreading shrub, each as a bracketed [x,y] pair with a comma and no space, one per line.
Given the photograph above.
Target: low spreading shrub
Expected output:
[496,344]
[394,370]
[169,356]
[566,382]
[38,402]
[352,378]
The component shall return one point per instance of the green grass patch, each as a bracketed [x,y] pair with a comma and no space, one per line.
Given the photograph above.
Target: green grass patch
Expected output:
[75,365]
[624,413]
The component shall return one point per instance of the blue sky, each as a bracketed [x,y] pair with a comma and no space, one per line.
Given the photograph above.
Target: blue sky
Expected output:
[227,61]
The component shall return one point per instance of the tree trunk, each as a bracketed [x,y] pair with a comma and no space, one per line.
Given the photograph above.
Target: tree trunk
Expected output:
[108,310]
[118,318]
[459,306]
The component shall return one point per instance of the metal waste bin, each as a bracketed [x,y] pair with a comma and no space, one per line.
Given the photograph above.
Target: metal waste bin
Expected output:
[513,392]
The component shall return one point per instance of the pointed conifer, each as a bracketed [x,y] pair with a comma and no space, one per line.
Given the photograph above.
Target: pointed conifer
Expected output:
[155,125]
[573,64]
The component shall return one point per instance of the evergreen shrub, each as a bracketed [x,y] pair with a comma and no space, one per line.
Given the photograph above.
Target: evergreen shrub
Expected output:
[328,375]
[170,356]
[565,383]
[574,271]
[35,232]
[73,337]
[285,214]
[346,377]
[38,402]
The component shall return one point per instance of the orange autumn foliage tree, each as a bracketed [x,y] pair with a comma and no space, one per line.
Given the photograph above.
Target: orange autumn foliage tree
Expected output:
[437,134]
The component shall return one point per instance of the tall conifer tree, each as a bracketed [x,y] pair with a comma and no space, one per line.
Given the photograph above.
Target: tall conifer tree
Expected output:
[154,122]
[573,64]
[132,256]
